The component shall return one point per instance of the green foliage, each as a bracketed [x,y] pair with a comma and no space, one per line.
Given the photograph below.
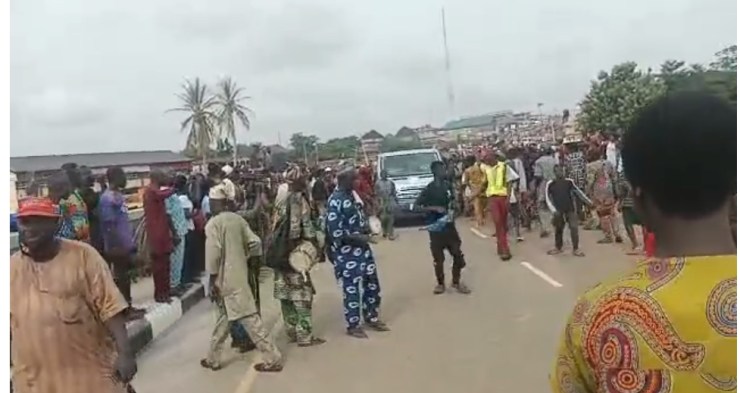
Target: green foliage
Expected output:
[298,142]
[616,97]
[339,148]
[224,148]
[201,121]
[392,143]
[229,100]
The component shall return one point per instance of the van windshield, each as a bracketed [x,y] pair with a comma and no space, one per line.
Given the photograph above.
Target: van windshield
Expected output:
[409,164]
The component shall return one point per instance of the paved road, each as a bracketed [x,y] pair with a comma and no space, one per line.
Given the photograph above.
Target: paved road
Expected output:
[500,338]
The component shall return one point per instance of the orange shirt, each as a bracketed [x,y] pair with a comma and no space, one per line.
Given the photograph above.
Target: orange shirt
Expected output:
[57,314]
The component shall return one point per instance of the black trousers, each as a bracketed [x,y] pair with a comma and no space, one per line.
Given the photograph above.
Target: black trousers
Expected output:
[189,268]
[558,221]
[121,266]
[447,239]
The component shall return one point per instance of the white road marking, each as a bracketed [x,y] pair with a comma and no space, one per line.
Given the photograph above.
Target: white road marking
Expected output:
[539,273]
[479,233]
[245,385]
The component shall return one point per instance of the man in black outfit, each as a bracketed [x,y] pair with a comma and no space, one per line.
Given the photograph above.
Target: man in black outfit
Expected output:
[559,197]
[438,200]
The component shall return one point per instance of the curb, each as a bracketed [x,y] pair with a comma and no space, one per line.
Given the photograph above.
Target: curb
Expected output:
[159,317]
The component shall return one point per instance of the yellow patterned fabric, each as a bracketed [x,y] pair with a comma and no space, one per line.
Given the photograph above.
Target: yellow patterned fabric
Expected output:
[668,326]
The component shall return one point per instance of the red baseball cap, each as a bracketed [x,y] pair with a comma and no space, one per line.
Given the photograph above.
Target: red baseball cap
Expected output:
[37,207]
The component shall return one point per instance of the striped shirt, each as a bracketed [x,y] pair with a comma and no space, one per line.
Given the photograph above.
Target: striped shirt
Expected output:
[57,313]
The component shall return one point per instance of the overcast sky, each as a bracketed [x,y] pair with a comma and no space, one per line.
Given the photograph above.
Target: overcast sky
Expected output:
[97,75]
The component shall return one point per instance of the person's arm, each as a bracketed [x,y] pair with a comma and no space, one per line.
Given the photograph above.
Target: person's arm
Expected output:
[579,193]
[252,242]
[548,198]
[214,250]
[107,303]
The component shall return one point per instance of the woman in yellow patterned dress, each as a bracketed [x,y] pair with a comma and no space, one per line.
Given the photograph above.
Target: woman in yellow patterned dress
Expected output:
[670,325]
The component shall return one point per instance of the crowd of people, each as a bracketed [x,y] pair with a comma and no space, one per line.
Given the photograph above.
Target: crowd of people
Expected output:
[71,280]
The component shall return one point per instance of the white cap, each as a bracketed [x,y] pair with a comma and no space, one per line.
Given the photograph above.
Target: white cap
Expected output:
[227,169]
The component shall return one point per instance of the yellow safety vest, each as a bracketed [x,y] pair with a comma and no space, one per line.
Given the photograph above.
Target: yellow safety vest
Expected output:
[496,178]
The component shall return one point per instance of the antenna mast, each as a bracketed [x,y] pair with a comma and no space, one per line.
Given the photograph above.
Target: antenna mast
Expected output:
[450,90]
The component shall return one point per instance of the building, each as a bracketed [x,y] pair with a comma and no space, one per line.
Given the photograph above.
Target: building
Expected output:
[370,145]
[137,166]
[468,129]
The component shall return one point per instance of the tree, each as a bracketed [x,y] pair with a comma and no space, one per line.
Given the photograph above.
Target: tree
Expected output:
[229,98]
[201,121]
[339,148]
[303,145]
[392,143]
[615,98]
[725,60]
[224,147]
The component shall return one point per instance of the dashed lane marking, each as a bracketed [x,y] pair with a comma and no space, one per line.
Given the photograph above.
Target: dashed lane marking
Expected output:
[245,385]
[539,273]
[478,233]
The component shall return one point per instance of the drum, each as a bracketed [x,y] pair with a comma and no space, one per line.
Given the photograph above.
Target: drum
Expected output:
[376,227]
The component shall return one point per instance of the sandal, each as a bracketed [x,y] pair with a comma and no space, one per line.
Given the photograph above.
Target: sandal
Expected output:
[378,326]
[211,366]
[357,332]
[578,253]
[554,252]
[314,342]
[268,368]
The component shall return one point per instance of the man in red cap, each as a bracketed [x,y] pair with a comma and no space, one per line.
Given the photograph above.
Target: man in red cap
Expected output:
[64,310]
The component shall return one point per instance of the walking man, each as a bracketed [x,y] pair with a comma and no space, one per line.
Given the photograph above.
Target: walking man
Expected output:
[559,197]
[352,257]
[229,244]
[497,191]
[67,318]
[438,201]
[385,190]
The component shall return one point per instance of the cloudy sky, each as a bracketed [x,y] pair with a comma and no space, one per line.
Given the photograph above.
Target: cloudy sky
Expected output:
[97,75]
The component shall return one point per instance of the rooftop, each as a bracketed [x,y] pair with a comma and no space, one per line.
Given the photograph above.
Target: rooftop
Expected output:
[470,122]
[95,160]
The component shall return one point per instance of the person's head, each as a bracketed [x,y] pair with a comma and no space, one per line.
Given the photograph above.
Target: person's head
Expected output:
[295,178]
[346,179]
[679,156]
[559,173]
[116,177]
[38,222]
[181,184]
[218,201]
[73,173]
[384,174]
[469,161]
[158,178]
[59,186]
[438,169]
[87,177]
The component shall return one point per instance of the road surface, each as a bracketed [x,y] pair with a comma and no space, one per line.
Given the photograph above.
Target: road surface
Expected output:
[500,338]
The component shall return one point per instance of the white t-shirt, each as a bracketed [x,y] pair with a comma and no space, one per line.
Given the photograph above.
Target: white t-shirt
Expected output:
[187,204]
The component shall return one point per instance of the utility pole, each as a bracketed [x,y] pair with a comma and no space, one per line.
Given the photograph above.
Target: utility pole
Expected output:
[448,68]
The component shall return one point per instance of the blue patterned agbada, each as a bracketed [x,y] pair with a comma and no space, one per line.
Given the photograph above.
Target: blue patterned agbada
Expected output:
[354,266]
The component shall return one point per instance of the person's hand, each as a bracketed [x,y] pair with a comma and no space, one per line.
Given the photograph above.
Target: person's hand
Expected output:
[213,292]
[437,209]
[372,240]
[125,367]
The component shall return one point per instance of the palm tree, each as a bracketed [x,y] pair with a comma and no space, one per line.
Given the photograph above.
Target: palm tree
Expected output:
[229,99]
[201,121]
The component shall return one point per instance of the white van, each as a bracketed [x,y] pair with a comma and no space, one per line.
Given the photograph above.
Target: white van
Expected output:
[411,171]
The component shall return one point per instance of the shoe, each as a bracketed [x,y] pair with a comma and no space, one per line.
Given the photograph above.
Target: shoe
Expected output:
[312,343]
[505,257]
[461,288]
[378,326]
[439,289]
[356,332]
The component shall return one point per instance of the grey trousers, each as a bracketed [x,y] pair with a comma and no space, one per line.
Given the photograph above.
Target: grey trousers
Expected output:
[254,327]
